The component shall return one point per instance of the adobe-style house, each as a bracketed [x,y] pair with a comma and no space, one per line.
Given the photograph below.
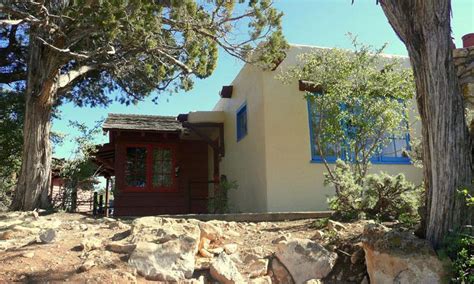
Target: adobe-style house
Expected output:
[258,134]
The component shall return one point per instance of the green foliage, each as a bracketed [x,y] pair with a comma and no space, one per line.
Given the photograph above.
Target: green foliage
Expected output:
[80,172]
[361,105]
[320,223]
[12,107]
[145,47]
[219,204]
[364,102]
[379,196]
[458,245]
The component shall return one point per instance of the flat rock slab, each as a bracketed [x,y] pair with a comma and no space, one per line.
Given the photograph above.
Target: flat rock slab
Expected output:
[47,236]
[305,259]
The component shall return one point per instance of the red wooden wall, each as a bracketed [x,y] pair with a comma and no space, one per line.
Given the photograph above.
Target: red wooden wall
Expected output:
[192,158]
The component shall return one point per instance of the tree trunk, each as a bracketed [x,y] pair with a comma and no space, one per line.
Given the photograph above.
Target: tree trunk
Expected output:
[425,28]
[35,175]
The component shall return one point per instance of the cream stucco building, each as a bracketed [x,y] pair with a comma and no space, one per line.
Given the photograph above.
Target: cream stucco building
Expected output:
[258,134]
[273,163]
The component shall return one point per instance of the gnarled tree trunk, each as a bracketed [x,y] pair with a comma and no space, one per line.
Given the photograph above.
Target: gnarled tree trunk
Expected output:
[425,28]
[35,175]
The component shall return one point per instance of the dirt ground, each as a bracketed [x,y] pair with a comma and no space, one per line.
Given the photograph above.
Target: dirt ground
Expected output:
[60,261]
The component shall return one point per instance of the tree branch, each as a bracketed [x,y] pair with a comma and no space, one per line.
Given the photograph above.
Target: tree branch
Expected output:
[7,78]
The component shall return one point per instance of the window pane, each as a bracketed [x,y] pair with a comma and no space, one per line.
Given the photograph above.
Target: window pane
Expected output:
[162,167]
[135,170]
[242,122]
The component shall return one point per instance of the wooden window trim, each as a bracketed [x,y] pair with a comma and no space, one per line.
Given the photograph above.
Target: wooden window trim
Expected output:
[149,168]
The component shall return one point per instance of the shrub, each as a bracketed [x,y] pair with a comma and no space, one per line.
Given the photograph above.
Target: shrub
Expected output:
[380,196]
[219,204]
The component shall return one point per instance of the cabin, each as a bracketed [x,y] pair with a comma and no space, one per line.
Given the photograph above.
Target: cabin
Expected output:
[259,134]
[161,165]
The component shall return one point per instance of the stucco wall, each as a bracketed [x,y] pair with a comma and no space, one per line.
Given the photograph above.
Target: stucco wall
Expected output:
[244,160]
[293,182]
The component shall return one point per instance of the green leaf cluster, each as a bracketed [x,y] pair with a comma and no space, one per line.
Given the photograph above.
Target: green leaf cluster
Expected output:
[12,108]
[378,196]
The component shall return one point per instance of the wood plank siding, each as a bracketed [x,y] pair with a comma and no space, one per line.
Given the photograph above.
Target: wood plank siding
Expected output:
[191,158]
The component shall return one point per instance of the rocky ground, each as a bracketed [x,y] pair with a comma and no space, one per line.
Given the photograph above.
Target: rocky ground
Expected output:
[71,247]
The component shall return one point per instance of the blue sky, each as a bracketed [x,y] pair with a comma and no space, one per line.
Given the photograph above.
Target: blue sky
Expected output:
[310,22]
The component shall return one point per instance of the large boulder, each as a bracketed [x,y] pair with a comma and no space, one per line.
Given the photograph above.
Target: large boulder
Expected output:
[399,257]
[170,261]
[305,259]
[225,271]
[280,273]
[161,230]
[165,249]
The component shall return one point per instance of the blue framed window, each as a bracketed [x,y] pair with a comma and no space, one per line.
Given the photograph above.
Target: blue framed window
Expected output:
[393,153]
[241,122]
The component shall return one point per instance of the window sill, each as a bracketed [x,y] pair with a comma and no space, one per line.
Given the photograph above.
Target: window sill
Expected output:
[394,162]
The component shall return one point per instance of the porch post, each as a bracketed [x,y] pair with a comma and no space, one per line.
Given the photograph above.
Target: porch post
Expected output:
[107,179]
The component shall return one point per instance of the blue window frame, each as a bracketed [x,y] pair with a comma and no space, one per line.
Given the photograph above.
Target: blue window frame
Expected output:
[392,153]
[241,122]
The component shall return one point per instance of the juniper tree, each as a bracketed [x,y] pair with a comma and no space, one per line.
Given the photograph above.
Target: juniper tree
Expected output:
[81,51]
[424,26]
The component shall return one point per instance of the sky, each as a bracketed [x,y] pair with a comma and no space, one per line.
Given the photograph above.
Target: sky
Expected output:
[309,22]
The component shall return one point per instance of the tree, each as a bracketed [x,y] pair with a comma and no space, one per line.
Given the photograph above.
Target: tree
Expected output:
[79,172]
[82,50]
[12,107]
[361,105]
[424,26]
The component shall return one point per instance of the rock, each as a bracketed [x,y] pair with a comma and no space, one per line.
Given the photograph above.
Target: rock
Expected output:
[280,273]
[224,270]
[261,280]
[282,238]
[86,265]
[29,254]
[202,264]
[6,235]
[313,281]
[232,234]
[83,227]
[399,257]
[357,256]
[204,253]
[170,261]
[129,277]
[318,234]
[204,243]
[336,226]
[90,244]
[258,268]
[215,250]
[119,225]
[305,259]
[160,230]
[48,236]
[26,230]
[120,247]
[364,281]
[230,248]
[210,231]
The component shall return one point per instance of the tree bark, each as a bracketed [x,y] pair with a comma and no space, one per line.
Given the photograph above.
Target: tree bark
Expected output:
[35,176]
[425,28]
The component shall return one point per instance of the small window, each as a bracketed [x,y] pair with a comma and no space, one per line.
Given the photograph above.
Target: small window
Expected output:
[242,122]
[135,168]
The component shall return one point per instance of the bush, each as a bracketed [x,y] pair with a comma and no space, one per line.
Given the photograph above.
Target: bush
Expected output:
[219,204]
[380,196]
